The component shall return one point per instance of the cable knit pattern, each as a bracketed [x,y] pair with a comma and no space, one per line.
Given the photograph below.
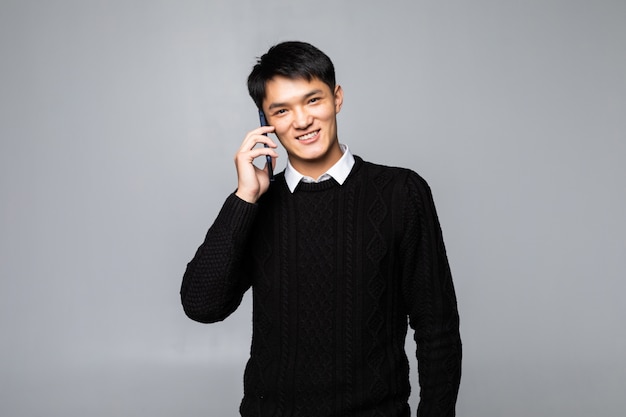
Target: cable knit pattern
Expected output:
[338,273]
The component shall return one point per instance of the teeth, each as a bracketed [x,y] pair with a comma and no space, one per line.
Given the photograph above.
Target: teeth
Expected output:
[307,136]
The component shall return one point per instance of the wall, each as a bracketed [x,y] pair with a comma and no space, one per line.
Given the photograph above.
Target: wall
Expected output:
[118,125]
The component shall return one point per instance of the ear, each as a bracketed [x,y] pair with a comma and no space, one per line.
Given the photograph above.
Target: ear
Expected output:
[338,98]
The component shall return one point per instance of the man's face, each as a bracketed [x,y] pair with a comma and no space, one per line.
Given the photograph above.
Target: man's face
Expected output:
[304,115]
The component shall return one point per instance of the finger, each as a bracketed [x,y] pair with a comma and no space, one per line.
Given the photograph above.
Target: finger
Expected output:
[250,155]
[262,130]
[256,141]
[252,141]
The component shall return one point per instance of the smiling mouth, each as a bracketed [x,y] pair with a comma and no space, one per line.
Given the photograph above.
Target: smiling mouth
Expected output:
[307,136]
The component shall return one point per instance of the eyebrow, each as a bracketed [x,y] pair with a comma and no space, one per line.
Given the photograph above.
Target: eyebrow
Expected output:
[309,94]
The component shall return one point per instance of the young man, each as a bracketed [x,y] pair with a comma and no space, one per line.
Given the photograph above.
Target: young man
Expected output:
[341,255]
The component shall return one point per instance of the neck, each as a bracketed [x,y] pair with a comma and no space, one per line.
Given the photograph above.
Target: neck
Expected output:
[317,167]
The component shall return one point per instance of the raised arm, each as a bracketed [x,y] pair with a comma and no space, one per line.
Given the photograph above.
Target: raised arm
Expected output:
[215,279]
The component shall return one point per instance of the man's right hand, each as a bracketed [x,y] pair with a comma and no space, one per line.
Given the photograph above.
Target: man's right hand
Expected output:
[252,182]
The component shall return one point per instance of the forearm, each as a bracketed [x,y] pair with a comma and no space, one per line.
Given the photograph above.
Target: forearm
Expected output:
[439,355]
[439,351]
[215,280]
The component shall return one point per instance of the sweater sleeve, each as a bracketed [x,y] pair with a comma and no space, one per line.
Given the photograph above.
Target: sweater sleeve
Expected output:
[431,302]
[215,279]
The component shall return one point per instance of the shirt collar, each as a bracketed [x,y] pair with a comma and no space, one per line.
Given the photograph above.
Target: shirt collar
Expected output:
[339,172]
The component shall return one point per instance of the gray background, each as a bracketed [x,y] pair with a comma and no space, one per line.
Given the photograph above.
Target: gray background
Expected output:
[119,121]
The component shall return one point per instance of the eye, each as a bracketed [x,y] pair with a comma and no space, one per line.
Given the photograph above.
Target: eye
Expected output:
[314,100]
[279,112]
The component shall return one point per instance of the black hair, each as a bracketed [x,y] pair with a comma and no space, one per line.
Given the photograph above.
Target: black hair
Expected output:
[293,60]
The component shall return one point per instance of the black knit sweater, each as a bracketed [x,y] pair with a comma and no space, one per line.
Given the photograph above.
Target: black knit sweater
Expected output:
[337,272]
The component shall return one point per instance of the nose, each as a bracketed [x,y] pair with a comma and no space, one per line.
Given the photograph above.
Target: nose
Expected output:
[301,119]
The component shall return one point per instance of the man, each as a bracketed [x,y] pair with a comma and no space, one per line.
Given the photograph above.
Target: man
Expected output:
[341,254]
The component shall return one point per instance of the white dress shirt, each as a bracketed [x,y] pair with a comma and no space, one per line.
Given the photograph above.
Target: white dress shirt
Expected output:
[339,172]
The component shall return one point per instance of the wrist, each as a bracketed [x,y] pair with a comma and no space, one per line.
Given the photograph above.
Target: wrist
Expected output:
[247,196]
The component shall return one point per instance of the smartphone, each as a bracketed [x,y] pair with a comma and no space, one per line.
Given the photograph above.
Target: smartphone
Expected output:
[270,170]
